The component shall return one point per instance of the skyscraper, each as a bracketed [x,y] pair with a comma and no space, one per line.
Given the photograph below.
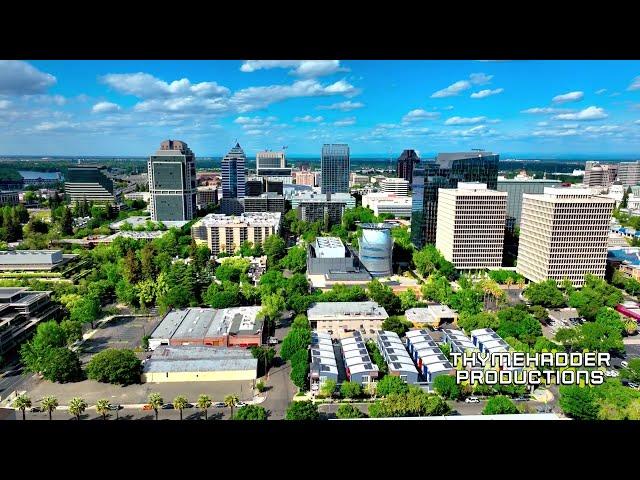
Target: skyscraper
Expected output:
[445,172]
[172,182]
[233,173]
[335,168]
[406,161]
[269,159]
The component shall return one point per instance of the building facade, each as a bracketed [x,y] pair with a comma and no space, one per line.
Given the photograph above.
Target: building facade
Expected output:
[305,177]
[598,174]
[629,173]
[313,207]
[405,164]
[9,198]
[564,234]
[516,188]
[172,182]
[267,202]
[471,224]
[233,173]
[399,186]
[445,172]
[270,159]
[341,319]
[335,165]
[397,205]
[223,233]
[206,196]
[90,183]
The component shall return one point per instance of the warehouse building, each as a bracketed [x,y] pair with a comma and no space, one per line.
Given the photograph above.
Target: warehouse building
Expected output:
[458,341]
[395,354]
[201,364]
[488,341]
[239,326]
[323,360]
[357,362]
[339,319]
[426,354]
[432,316]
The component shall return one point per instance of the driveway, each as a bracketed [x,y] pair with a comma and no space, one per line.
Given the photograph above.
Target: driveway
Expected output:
[280,389]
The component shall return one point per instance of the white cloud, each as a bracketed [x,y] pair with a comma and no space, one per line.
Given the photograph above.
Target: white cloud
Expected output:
[448,107]
[480,78]
[144,85]
[543,110]
[255,120]
[345,122]
[5,104]
[589,113]
[542,124]
[342,106]
[254,132]
[21,78]
[309,119]
[635,85]
[568,97]
[555,133]
[637,122]
[184,105]
[413,132]
[464,121]
[601,91]
[487,93]
[453,89]
[602,128]
[53,126]
[480,130]
[569,126]
[105,107]
[418,115]
[300,68]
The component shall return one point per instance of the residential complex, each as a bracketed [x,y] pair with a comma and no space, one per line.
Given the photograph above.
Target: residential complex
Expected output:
[515,187]
[305,177]
[397,205]
[396,356]
[407,160]
[428,357]
[357,362]
[564,234]
[314,207]
[207,196]
[471,224]
[445,172]
[266,202]
[399,186]
[172,182]
[90,183]
[335,165]
[323,360]
[224,233]
[339,319]
[629,173]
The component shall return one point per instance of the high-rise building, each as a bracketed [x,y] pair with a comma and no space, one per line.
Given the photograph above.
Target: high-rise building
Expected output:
[9,198]
[399,186]
[269,159]
[233,173]
[335,166]
[515,188]
[629,173]
[598,174]
[564,234]
[313,207]
[224,233]
[266,202]
[254,187]
[88,182]
[445,172]
[397,205]
[471,221]
[406,162]
[305,177]
[207,196]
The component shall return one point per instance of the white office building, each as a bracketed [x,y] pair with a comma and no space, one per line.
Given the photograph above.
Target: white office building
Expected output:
[399,186]
[470,225]
[564,234]
[382,202]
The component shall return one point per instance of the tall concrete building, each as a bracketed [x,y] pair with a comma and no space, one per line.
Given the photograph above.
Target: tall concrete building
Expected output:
[335,164]
[598,174]
[629,173]
[90,183]
[406,162]
[224,233]
[313,207]
[564,234]
[399,186]
[172,182]
[471,221]
[445,172]
[269,159]
[516,188]
[233,173]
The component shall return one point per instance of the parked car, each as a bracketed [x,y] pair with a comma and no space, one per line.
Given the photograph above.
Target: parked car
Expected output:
[472,400]
[147,407]
[633,385]
[189,405]
[219,405]
[115,407]
[272,341]
[167,406]
[35,409]
[240,404]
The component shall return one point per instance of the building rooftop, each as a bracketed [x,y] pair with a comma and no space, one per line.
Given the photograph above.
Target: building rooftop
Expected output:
[252,219]
[189,358]
[629,255]
[355,309]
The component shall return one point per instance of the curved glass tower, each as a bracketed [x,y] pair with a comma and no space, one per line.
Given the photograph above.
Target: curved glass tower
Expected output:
[376,248]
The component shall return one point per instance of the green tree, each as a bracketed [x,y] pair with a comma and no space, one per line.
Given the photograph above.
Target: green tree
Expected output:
[446,387]
[117,366]
[384,296]
[348,411]
[296,340]
[204,403]
[377,357]
[295,260]
[397,325]
[302,410]
[72,330]
[275,248]
[272,306]
[156,401]
[438,289]
[546,294]
[300,369]
[327,388]
[86,310]
[49,404]
[102,407]
[231,401]
[595,294]
[391,384]
[632,372]
[180,403]
[66,223]
[251,412]
[265,356]
[499,405]
[61,365]
[231,269]
[578,402]
[350,390]
[77,406]
[408,299]
[22,402]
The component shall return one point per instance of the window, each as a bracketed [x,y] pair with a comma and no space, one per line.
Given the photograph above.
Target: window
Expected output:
[366,379]
[403,378]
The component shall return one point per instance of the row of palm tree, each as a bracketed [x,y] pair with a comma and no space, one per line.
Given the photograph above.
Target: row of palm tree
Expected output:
[77,405]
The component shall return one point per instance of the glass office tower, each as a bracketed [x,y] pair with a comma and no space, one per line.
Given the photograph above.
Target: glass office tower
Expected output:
[233,173]
[445,172]
[335,168]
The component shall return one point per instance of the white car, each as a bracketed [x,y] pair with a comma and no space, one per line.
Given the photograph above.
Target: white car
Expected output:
[624,364]
[472,400]
[240,404]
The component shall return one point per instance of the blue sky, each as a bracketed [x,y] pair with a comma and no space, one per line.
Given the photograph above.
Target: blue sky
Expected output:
[124,108]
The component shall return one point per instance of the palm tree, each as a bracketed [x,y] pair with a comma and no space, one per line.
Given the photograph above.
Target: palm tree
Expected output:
[156,401]
[179,403]
[230,401]
[22,403]
[204,402]
[77,406]
[49,404]
[102,407]
[508,282]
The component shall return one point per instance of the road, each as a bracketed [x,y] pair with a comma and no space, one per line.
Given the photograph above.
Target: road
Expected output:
[132,414]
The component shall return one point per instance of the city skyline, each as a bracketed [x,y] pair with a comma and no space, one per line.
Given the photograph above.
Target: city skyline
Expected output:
[119,108]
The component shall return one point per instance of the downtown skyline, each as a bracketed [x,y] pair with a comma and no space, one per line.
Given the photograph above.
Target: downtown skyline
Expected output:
[120,108]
